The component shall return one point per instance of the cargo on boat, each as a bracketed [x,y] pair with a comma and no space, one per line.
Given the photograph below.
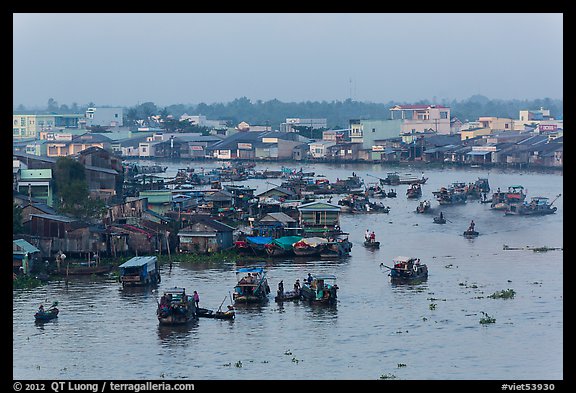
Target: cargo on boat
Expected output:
[252,285]
[176,307]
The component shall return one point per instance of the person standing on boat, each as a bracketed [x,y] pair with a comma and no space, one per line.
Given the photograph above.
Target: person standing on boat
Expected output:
[471,228]
[372,237]
[196,298]
[297,286]
[310,279]
[281,288]
[367,235]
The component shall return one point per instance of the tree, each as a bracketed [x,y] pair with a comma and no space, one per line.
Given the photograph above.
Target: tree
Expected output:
[17,226]
[52,105]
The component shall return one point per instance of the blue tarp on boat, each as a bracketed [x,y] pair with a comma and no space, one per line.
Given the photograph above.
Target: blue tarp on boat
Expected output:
[259,240]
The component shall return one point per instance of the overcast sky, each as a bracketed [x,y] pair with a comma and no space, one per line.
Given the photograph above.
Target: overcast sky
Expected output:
[127,59]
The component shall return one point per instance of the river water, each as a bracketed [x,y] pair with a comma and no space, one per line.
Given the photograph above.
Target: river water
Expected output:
[428,331]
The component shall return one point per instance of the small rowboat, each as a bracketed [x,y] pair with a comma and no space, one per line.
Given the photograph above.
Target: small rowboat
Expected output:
[206,313]
[369,244]
[438,220]
[285,296]
[470,234]
[42,316]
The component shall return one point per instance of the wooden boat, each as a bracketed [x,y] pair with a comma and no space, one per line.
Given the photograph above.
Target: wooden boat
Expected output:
[287,296]
[407,270]
[258,243]
[176,307]
[47,315]
[252,285]
[414,191]
[369,244]
[514,195]
[310,246]
[336,248]
[140,271]
[538,206]
[393,178]
[391,194]
[218,314]
[423,207]
[321,289]
[282,246]
[470,233]
[450,196]
[439,220]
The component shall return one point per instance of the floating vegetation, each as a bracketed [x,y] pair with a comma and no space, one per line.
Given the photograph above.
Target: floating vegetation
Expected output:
[435,299]
[294,360]
[26,281]
[401,365]
[503,294]
[544,249]
[448,266]
[486,319]
[535,249]
[238,364]
[288,352]
[387,376]
[432,306]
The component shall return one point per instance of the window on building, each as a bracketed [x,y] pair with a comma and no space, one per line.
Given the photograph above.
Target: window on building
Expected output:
[443,115]
[373,129]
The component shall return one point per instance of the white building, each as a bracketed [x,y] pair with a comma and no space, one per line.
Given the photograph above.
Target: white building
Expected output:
[104,117]
[315,124]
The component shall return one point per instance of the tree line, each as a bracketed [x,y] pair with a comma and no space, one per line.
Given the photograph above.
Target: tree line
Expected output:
[337,113]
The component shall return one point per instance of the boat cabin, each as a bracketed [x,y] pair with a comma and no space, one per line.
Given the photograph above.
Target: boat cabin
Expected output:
[140,271]
[321,288]
[252,285]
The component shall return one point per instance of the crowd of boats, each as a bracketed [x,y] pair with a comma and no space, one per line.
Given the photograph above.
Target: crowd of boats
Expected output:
[177,306]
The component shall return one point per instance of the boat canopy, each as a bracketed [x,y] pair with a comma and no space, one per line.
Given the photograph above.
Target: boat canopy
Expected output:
[314,241]
[324,277]
[139,261]
[175,290]
[403,259]
[286,242]
[250,270]
[261,240]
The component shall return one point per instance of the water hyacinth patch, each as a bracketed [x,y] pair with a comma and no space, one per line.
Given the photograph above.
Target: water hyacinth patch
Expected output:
[503,294]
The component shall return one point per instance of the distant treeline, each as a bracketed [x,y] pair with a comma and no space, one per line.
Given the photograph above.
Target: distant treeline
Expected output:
[337,113]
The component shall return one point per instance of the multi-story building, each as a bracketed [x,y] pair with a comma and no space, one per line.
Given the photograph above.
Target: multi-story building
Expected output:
[104,117]
[314,124]
[422,118]
[36,183]
[496,123]
[30,126]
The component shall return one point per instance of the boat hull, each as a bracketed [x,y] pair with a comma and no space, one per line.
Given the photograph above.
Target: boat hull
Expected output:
[206,313]
[287,296]
[372,244]
[409,277]
[46,316]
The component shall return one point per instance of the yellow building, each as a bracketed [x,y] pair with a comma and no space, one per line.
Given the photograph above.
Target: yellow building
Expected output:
[497,123]
[474,132]
[30,126]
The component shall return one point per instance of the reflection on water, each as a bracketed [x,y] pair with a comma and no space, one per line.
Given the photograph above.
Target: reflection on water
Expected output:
[105,331]
[177,335]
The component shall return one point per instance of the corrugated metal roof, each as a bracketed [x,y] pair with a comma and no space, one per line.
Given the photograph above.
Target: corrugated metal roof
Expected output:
[25,246]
